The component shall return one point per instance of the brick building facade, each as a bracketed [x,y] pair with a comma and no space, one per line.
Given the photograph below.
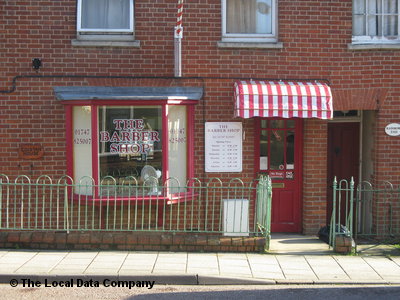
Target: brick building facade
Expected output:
[306,41]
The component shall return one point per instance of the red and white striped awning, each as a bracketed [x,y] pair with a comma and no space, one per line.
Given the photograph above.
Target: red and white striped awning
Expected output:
[283,99]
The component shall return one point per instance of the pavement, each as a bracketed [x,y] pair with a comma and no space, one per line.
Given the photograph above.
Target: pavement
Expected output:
[294,259]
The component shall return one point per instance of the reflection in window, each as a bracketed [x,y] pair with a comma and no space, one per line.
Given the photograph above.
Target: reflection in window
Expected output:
[277,149]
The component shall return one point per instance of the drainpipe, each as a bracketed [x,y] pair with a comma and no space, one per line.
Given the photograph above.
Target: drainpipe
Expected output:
[178,34]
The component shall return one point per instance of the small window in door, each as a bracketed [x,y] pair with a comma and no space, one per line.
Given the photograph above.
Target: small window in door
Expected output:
[277,140]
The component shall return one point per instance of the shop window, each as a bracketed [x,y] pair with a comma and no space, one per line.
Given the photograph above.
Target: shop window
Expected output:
[105,19]
[249,20]
[127,150]
[376,21]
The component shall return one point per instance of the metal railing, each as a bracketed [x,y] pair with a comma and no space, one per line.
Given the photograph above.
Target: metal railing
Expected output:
[231,208]
[365,211]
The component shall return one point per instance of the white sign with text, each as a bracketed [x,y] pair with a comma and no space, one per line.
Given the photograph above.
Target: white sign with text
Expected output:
[393,129]
[223,146]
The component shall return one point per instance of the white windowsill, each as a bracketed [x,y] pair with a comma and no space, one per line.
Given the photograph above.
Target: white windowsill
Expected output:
[373,46]
[105,43]
[251,45]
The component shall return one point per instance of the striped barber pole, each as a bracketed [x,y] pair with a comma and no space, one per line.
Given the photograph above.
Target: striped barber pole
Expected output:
[178,27]
[283,99]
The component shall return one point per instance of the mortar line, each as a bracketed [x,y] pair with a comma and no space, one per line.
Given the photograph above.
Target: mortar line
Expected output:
[219,267]
[155,262]
[373,268]
[280,266]
[65,255]
[120,267]
[87,267]
[348,275]
[312,269]
[248,262]
[37,252]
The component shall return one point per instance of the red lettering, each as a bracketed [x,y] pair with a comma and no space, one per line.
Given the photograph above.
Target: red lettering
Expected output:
[117,123]
[125,136]
[115,137]
[114,148]
[104,136]
[155,136]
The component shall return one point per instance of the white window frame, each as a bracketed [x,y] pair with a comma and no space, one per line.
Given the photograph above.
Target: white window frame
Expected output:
[366,39]
[102,33]
[250,37]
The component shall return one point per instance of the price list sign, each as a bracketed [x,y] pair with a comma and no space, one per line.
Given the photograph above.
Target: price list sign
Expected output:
[223,146]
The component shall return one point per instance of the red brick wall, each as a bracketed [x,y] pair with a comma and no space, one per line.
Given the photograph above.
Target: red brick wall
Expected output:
[314,175]
[138,241]
[314,33]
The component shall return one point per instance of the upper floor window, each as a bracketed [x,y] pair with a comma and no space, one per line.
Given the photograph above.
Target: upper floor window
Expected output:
[249,20]
[105,19]
[375,21]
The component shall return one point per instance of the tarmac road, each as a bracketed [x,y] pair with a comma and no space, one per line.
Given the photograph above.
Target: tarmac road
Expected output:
[231,292]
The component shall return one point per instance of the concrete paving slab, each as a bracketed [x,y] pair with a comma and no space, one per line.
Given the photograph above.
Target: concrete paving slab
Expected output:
[133,272]
[295,267]
[357,268]
[75,261]
[226,280]
[163,267]
[141,256]
[386,268]
[396,259]
[41,262]
[298,244]
[71,270]
[204,264]
[261,258]
[326,268]
[9,267]
[102,271]
[265,266]
[203,271]
[141,268]
[377,250]
[81,255]
[17,256]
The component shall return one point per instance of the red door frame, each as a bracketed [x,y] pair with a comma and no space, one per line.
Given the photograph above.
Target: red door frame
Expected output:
[296,185]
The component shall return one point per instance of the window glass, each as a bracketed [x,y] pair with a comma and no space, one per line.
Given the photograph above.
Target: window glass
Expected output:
[264,123]
[277,149]
[277,123]
[375,19]
[105,15]
[177,143]
[290,149]
[290,123]
[264,150]
[82,145]
[249,16]
[249,20]
[130,144]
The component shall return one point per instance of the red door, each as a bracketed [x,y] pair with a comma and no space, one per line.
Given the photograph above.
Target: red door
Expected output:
[278,154]
[343,157]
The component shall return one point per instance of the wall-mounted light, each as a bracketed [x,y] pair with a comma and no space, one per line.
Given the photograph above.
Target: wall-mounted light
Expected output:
[36,63]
